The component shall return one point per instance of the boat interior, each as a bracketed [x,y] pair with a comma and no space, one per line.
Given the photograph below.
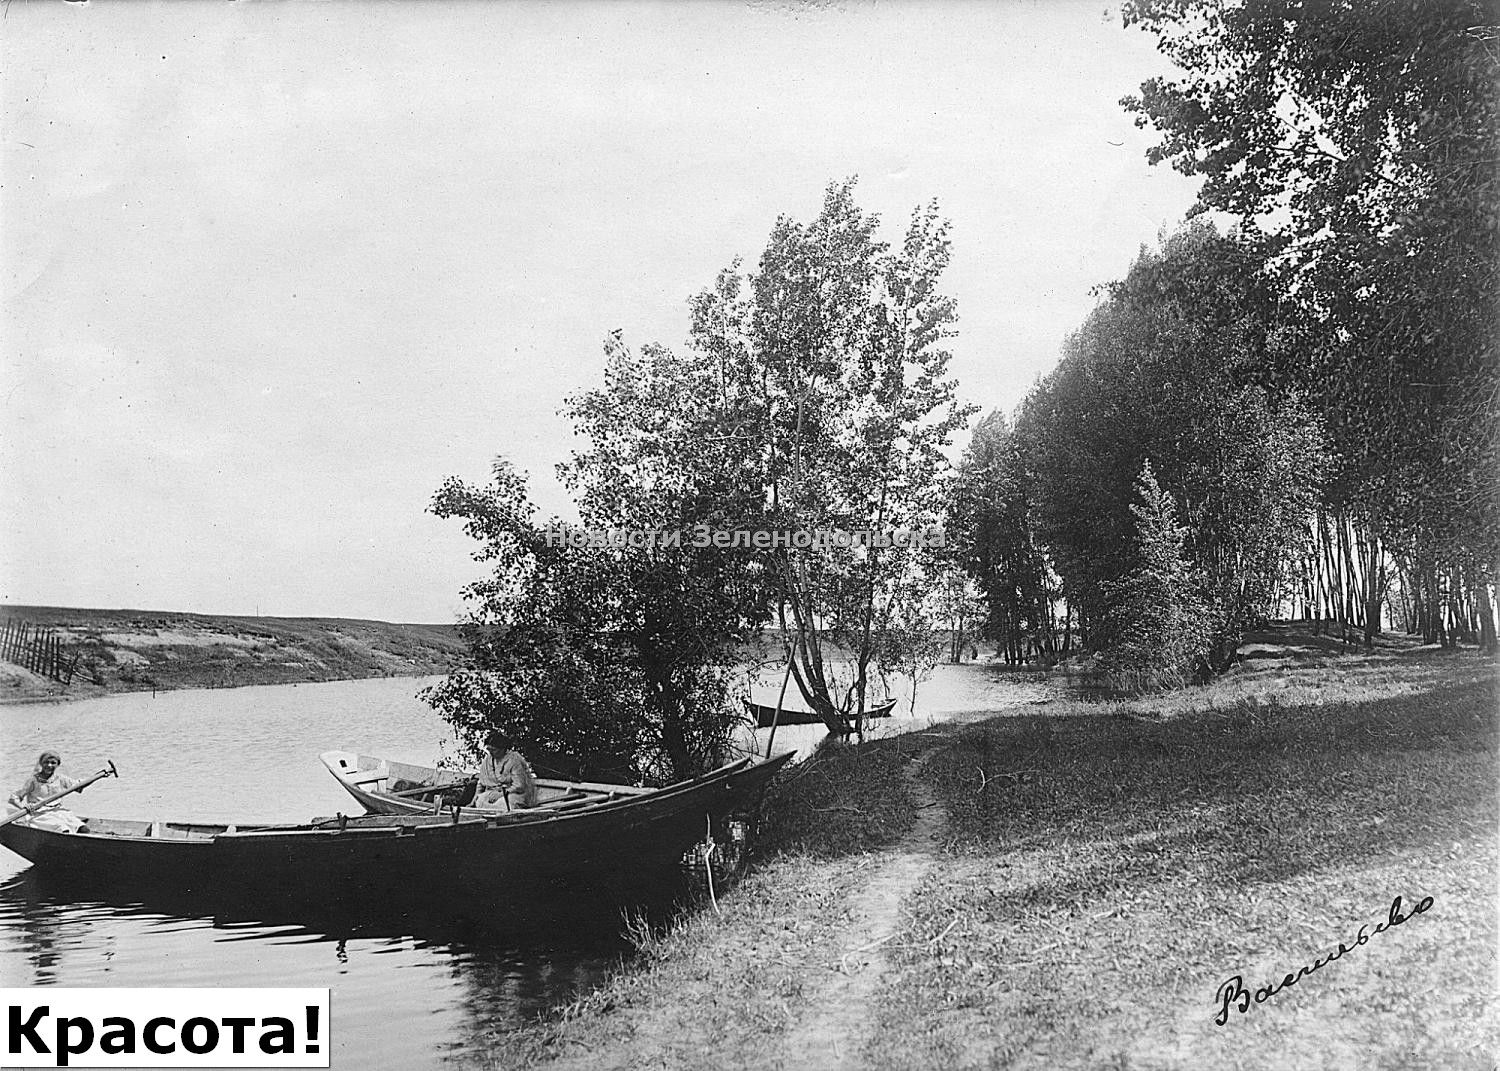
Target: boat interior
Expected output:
[120,827]
[567,796]
[207,831]
[423,784]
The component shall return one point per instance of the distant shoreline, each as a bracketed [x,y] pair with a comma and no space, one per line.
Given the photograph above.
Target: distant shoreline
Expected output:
[121,651]
[78,694]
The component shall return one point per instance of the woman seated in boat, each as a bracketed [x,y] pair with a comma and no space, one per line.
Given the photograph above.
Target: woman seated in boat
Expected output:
[44,783]
[505,777]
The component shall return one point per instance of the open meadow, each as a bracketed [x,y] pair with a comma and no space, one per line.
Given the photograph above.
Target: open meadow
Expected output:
[1094,883]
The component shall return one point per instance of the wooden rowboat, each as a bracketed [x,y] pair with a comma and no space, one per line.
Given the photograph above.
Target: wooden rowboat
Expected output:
[385,786]
[765,716]
[481,853]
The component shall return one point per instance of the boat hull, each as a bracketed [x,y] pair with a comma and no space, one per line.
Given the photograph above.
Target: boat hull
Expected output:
[369,857]
[766,716]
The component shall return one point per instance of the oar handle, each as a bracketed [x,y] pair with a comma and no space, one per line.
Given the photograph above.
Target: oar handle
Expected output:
[428,790]
[109,771]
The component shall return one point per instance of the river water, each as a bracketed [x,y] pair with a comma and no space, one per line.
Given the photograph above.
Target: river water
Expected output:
[406,994]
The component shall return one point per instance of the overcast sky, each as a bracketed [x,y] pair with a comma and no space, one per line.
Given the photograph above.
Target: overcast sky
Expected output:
[273,271]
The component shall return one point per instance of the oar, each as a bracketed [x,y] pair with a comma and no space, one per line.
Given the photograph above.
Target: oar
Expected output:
[770,740]
[39,804]
[427,790]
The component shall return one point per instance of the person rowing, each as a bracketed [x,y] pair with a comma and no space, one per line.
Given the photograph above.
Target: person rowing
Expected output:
[45,781]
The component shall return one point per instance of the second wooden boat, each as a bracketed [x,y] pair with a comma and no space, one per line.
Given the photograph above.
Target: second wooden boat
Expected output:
[386,786]
[765,716]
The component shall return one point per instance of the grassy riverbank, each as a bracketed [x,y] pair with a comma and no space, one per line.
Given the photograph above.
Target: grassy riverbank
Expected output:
[1099,871]
[136,650]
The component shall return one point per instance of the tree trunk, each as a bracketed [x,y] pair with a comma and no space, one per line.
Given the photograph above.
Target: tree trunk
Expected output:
[1486,616]
[1374,589]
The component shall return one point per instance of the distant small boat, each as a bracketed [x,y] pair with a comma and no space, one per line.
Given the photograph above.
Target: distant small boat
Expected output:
[482,852]
[765,716]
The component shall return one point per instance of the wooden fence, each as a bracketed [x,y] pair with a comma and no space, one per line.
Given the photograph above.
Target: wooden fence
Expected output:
[37,649]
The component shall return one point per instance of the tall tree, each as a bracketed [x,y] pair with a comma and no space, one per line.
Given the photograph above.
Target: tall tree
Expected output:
[814,399]
[844,339]
[1360,136]
[1158,622]
[994,540]
[1168,369]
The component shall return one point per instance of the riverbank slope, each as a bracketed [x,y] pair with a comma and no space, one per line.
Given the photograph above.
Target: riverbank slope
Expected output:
[1099,884]
[144,650]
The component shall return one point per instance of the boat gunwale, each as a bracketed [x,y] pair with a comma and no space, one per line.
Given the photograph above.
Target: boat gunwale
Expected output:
[399,824]
[529,815]
[556,783]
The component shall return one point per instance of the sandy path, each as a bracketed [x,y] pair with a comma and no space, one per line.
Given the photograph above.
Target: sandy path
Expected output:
[830,1038]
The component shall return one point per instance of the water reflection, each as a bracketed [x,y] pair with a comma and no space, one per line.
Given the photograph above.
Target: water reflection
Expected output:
[50,910]
[970,691]
[478,974]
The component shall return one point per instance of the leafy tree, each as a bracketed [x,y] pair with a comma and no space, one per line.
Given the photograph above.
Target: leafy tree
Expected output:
[1158,624]
[546,662]
[994,540]
[626,650]
[1359,136]
[667,452]
[841,340]
[1168,368]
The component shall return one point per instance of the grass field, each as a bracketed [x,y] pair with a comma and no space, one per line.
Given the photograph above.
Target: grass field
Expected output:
[1102,869]
[1108,875]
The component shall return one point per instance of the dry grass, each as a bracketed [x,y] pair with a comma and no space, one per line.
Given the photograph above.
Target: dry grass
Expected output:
[1106,867]
[1107,875]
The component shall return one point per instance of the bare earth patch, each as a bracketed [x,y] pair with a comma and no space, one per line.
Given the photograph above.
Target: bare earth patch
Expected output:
[176,638]
[18,685]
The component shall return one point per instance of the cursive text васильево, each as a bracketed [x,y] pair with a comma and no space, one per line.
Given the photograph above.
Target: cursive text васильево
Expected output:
[1234,994]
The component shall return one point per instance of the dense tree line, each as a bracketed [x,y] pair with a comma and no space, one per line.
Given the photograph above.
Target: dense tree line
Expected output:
[1158,405]
[996,543]
[1357,140]
[1314,393]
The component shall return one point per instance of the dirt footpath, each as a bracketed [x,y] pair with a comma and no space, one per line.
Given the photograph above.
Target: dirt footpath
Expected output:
[784,979]
[830,1037]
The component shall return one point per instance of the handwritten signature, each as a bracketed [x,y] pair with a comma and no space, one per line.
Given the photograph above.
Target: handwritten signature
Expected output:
[1234,994]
